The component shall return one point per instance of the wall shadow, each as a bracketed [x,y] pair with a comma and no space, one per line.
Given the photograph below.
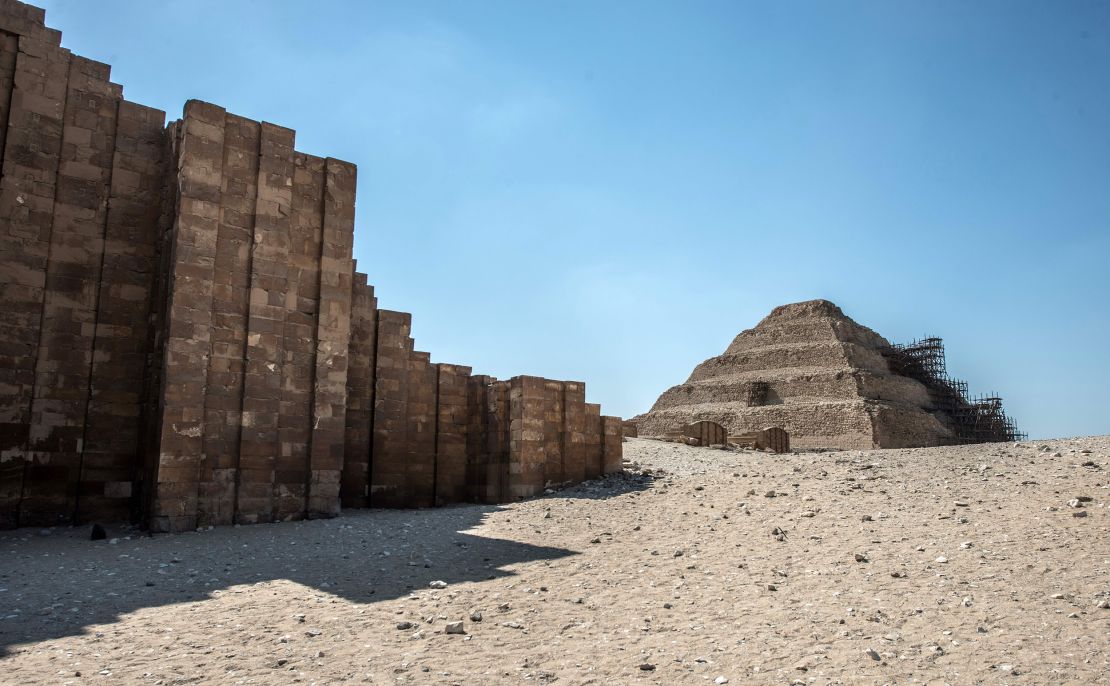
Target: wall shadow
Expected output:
[58,583]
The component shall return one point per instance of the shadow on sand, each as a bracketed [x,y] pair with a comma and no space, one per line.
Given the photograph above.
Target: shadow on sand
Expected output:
[56,582]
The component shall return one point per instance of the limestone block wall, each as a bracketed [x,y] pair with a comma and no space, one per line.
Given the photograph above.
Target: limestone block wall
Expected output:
[452,423]
[611,444]
[184,340]
[595,447]
[483,481]
[253,410]
[493,473]
[443,435]
[419,455]
[388,475]
[574,431]
[80,180]
[358,432]
[526,436]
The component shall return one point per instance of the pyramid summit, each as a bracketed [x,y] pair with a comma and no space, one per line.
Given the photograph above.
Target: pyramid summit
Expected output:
[831,383]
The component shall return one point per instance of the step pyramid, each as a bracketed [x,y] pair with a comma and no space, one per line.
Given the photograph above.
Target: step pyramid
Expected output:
[812,370]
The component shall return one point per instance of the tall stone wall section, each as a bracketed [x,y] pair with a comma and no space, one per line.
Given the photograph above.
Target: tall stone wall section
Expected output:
[80,183]
[253,408]
[185,342]
[359,421]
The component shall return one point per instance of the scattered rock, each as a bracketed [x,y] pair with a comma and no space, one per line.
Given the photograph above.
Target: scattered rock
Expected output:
[455,628]
[437,584]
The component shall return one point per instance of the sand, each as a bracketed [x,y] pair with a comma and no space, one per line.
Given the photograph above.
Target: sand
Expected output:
[941,565]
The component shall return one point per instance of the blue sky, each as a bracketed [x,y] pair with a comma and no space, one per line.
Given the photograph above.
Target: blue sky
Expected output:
[610,191]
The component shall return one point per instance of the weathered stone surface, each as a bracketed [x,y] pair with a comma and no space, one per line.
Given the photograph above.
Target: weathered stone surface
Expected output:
[355,483]
[452,425]
[811,370]
[185,342]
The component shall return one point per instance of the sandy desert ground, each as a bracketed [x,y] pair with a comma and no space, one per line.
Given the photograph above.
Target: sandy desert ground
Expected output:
[982,564]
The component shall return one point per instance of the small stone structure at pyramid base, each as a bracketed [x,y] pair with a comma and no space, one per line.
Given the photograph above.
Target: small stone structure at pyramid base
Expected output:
[774,439]
[842,425]
[829,382]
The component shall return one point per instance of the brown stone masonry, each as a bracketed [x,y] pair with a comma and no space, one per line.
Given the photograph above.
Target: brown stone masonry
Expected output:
[355,483]
[80,184]
[184,340]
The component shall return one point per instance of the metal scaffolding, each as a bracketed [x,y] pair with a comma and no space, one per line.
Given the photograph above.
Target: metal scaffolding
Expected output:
[971,420]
